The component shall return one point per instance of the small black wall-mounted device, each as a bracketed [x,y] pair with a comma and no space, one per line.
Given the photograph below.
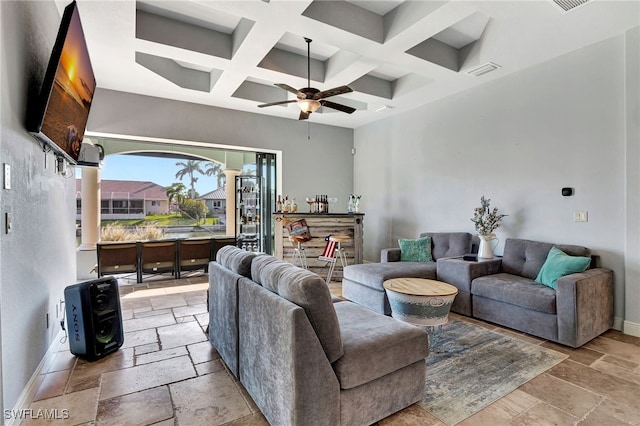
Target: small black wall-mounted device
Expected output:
[566,192]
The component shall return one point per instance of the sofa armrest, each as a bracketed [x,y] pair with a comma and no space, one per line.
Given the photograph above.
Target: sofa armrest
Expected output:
[584,302]
[223,313]
[460,273]
[282,363]
[390,255]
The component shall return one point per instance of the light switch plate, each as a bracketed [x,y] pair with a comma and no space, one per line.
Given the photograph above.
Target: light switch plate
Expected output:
[7,176]
[581,216]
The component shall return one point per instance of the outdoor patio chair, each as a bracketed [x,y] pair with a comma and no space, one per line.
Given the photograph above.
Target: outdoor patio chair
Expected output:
[118,258]
[158,257]
[194,254]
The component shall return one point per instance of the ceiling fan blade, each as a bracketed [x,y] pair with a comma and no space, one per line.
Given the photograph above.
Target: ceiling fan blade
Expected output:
[288,88]
[332,92]
[339,107]
[303,115]
[277,103]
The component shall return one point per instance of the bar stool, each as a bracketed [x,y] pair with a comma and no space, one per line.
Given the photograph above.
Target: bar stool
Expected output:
[298,234]
[299,255]
[333,247]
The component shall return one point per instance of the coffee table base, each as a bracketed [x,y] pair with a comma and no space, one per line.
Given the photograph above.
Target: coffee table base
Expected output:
[428,311]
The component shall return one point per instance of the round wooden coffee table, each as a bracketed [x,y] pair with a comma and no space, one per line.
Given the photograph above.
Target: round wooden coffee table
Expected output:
[420,301]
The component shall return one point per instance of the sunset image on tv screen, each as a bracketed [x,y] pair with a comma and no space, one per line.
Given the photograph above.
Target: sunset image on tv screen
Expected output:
[68,108]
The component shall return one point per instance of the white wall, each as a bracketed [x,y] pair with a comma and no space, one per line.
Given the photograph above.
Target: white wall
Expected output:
[632,255]
[517,140]
[37,259]
[305,163]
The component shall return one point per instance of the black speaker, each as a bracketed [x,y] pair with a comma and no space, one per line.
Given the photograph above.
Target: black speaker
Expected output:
[94,319]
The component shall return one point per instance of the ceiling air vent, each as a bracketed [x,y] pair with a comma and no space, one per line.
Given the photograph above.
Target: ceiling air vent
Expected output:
[567,5]
[483,69]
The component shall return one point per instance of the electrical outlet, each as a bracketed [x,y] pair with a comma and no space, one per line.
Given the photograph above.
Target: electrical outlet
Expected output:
[60,309]
[581,216]
[8,225]
[7,176]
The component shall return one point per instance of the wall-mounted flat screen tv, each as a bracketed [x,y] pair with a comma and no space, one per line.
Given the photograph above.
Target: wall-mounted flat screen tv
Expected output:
[62,111]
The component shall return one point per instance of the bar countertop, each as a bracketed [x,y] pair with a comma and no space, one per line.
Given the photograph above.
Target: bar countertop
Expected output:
[318,214]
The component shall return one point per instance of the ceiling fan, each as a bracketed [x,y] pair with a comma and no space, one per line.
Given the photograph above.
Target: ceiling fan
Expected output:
[309,99]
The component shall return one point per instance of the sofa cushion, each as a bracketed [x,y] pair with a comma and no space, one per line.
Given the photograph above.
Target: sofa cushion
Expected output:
[559,264]
[307,290]
[418,250]
[375,274]
[525,257]
[516,290]
[266,271]
[236,260]
[449,244]
[375,345]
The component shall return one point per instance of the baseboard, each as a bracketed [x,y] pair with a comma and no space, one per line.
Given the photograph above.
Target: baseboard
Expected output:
[30,389]
[631,328]
[618,323]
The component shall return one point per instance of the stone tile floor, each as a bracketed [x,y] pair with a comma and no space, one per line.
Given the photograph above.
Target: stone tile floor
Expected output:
[167,373]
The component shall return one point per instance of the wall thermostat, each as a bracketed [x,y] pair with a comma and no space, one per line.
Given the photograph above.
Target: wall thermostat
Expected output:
[567,192]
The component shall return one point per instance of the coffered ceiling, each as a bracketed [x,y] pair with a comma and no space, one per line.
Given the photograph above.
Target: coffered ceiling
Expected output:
[394,54]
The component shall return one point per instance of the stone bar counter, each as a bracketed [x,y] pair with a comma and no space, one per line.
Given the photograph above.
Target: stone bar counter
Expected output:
[320,226]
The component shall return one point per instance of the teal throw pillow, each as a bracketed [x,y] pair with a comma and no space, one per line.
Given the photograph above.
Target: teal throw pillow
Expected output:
[415,250]
[559,264]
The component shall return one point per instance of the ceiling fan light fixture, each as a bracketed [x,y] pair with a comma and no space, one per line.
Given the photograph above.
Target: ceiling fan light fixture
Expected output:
[308,105]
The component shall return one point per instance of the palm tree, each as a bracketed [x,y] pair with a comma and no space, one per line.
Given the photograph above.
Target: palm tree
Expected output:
[248,172]
[175,192]
[214,168]
[189,168]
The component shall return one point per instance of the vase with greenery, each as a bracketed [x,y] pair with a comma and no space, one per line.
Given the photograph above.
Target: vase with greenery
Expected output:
[486,221]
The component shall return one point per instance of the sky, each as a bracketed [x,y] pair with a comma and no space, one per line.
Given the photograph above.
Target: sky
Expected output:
[161,171]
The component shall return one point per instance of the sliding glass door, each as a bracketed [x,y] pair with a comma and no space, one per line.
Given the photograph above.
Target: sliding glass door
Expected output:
[266,173]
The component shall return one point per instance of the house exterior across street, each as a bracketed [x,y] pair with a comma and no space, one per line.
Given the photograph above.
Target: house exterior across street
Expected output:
[125,199]
[216,202]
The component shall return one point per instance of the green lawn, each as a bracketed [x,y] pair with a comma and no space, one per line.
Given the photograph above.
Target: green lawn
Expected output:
[162,220]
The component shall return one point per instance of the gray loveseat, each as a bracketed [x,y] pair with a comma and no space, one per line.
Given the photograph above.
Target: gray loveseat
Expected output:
[504,291]
[304,358]
[363,283]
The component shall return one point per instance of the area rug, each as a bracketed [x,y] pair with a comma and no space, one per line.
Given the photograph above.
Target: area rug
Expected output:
[469,367]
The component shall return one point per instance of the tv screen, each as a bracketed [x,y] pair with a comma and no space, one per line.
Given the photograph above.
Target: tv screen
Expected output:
[67,90]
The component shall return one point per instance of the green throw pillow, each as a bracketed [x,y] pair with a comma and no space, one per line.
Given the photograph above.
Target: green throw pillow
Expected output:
[559,264]
[415,250]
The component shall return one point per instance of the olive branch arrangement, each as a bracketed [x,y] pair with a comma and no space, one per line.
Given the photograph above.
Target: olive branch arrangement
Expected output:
[486,219]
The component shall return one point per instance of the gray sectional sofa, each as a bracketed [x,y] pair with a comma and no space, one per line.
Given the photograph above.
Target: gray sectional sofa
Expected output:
[504,291]
[363,283]
[305,358]
[501,290]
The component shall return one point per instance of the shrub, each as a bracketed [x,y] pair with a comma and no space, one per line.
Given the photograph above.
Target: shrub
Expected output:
[151,232]
[117,232]
[195,209]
